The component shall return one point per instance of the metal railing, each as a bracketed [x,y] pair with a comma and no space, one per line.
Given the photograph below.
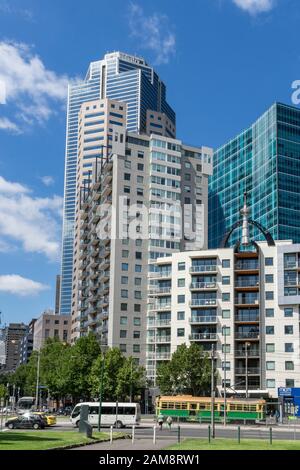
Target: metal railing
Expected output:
[247,335]
[200,302]
[203,285]
[203,336]
[203,319]
[247,317]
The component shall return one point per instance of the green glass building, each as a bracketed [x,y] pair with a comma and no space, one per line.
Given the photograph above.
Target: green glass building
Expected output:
[263,161]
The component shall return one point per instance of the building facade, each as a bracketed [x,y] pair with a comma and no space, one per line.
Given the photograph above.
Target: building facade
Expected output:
[243,304]
[49,325]
[120,77]
[13,336]
[146,190]
[264,161]
[26,343]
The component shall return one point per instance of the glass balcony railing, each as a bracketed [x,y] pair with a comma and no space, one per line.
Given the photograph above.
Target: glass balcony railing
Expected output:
[201,302]
[247,317]
[251,370]
[203,285]
[251,353]
[246,265]
[203,319]
[203,268]
[203,336]
[247,335]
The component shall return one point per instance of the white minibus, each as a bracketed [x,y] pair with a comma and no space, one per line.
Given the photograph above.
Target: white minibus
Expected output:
[112,414]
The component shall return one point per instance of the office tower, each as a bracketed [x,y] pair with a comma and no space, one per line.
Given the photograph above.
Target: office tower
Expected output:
[50,325]
[14,333]
[264,160]
[26,343]
[131,214]
[120,77]
[244,301]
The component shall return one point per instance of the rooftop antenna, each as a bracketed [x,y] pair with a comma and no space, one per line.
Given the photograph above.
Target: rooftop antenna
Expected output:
[245,212]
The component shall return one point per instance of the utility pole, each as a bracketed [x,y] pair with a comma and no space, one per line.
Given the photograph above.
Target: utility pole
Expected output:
[37,382]
[212,413]
[131,385]
[225,369]
[101,392]
[247,391]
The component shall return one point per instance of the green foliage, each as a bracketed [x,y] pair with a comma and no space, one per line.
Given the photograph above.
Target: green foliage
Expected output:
[3,392]
[188,372]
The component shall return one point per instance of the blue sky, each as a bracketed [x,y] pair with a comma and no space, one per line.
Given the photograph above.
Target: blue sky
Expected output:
[223,61]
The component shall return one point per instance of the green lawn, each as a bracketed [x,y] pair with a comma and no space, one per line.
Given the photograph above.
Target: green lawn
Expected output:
[231,444]
[41,440]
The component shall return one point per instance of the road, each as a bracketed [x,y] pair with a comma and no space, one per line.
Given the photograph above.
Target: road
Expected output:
[190,430]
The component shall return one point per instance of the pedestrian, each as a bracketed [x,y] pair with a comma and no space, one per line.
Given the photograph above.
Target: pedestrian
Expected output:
[160,421]
[169,421]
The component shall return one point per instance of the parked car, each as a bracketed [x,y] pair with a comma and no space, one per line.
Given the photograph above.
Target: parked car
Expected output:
[25,422]
[50,419]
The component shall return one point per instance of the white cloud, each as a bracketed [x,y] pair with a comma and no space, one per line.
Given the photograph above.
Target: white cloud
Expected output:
[255,6]
[33,222]
[47,180]
[15,284]
[31,89]
[7,125]
[153,33]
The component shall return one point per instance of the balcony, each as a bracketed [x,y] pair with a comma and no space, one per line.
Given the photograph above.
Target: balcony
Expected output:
[202,319]
[247,335]
[160,274]
[246,266]
[246,301]
[203,268]
[251,371]
[247,318]
[202,302]
[159,290]
[163,356]
[159,307]
[203,337]
[159,323]
[247,283]
[290,265]
[162,339]
[251,353]
[203,285]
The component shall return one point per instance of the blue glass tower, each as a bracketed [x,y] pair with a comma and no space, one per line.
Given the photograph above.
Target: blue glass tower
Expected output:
[263,161]
[121,77]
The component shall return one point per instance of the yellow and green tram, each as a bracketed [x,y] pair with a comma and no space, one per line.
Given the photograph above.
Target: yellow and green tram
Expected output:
[189,408]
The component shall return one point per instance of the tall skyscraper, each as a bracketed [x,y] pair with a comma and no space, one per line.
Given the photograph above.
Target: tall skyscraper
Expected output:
[264,161]
[121,77]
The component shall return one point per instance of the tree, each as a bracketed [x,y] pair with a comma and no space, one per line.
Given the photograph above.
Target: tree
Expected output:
[188,372]
[131,380]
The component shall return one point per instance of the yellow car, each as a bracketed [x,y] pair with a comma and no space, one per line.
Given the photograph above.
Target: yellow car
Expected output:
[49,419]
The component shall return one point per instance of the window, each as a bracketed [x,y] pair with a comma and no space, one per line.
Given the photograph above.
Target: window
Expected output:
[138,268]
[65,335]
[65,322]
[137,321]
[140,179]
[269,295]
[290,383]
[125,241]
[123,307]
[126,189]
[270,365]
[225,280]
[226,297]
[180,316]
[225,365]
[269,262]
[226,263]
[140,192]
[56,333]
[137,307]
[56,322]
[225,313]
[187,200]
[269,312]
[288,330]
[138,242]
[140,166]
[225,348]
[289,347]
[124,294]
[180,332]
[127,176]
[136,334]
[136,348]
[137,281]
[123,333]
[180,299]
[124,280]
[288,312]
[181,266]
[137,294]
[140,154]
[125,253]
[289,365]
[187,165]
[226,331]
[123,320]
[269,278]
[181,282]
[123,348]
[187,177]
[47,322]
[138,255]
[127,164]
[270,383]
[270,347]
[270,330]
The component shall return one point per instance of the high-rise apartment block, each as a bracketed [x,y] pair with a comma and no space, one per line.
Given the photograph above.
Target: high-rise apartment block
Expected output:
[145,198]
[264,160]
[13,335]
[26,343]
[120,77]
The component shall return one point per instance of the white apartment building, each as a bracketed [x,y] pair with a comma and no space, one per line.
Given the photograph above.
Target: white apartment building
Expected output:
[244,303]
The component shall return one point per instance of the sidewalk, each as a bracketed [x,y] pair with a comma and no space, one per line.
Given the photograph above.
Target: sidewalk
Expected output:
[126,444]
